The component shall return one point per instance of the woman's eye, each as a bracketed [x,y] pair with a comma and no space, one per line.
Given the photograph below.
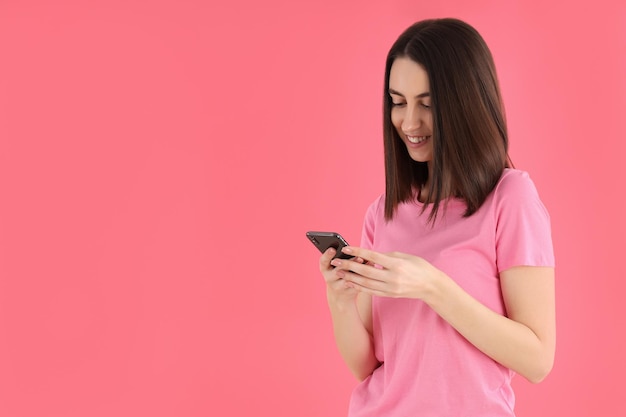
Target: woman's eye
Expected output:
[394,104]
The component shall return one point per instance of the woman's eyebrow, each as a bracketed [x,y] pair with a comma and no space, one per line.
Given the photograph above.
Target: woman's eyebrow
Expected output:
[396,93]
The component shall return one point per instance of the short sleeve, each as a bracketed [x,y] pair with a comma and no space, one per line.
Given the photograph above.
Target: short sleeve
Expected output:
[369,223]
[523,233]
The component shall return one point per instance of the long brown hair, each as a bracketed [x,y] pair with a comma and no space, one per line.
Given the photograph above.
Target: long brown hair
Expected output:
[470,143]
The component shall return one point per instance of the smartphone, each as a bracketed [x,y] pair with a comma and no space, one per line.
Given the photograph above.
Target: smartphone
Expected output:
[325,240]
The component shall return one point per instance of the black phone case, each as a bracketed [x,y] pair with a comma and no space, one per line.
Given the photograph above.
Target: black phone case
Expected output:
[325,240]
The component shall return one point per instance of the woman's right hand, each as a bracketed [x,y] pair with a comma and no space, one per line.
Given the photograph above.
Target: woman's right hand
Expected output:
[337,289]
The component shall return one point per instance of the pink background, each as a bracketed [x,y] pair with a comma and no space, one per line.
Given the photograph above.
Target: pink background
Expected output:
[160,162]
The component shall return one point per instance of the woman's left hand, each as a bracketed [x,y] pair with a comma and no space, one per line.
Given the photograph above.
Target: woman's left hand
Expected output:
[394,274]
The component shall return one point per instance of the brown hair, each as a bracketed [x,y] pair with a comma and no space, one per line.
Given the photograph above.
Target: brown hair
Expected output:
[470,144]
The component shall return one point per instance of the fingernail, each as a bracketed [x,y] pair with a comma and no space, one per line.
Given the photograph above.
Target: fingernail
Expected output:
[347,249]
[341,274]
[335,262]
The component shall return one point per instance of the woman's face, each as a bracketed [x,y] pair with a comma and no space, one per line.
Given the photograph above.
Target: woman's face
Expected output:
[410,110]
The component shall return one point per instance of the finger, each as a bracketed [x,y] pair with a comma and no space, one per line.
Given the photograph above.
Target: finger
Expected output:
[366,270]
[364,284]
[326,258]
[337,284]
[370,255]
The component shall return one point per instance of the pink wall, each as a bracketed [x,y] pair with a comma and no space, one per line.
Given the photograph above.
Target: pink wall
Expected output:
[160,162]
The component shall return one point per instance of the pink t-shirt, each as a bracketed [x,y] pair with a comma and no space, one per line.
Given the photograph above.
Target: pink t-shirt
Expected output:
[428,369]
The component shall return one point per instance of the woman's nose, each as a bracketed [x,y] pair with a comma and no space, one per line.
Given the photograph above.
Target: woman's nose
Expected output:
[412,120]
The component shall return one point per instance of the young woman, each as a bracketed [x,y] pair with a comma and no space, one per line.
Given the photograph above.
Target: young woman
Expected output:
[452,290]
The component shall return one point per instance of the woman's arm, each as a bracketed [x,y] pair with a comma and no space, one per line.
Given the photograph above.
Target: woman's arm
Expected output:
[351,314]
[352,335]
[524,341]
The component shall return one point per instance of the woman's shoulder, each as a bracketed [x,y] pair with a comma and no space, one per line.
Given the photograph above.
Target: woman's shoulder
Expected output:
[376,207]
[516,190]
[514,182]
